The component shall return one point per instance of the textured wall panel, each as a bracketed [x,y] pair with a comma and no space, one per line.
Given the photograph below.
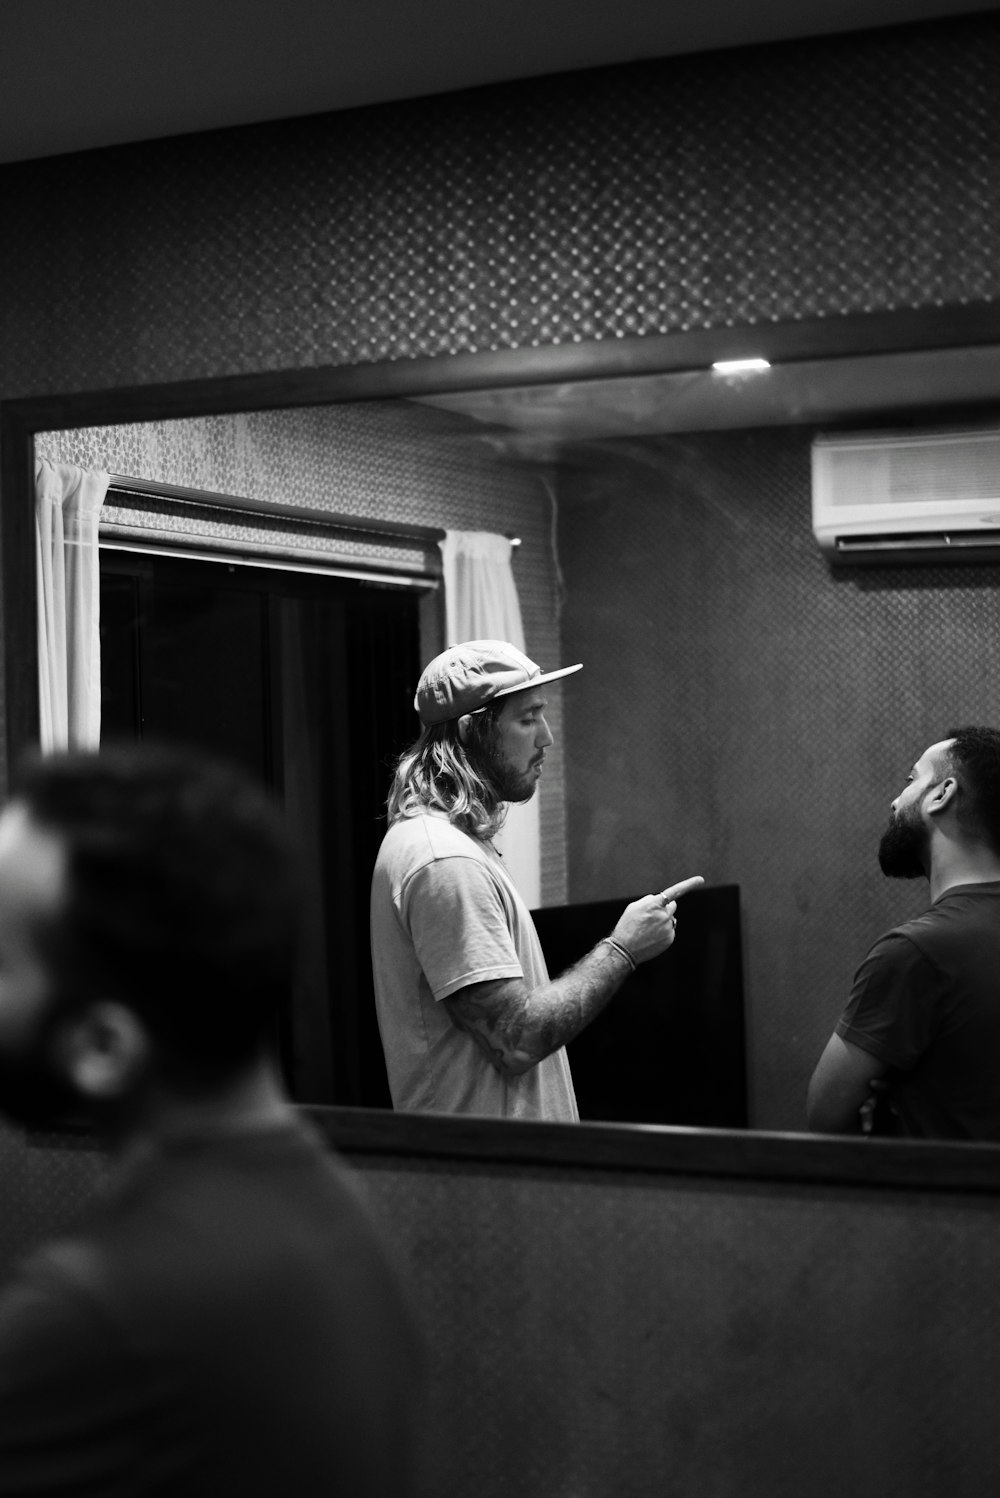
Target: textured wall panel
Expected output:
[627,1337]
[631,1336]
[813,178]
[47,1183]
[749,715]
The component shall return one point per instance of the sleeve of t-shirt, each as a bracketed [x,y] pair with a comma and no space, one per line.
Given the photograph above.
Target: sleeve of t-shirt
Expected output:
[459,925]
[66,1406]
[890,1012]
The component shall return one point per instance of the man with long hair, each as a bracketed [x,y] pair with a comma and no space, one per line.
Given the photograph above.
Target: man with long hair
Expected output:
[225,1320]
[922,1025]
[469,1018]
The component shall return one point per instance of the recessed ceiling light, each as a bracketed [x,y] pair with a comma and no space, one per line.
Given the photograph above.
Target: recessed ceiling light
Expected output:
[740,366]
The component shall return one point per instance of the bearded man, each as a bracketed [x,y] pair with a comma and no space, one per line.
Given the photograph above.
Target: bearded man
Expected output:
[225,1319]
[923,1019]
[469,1018]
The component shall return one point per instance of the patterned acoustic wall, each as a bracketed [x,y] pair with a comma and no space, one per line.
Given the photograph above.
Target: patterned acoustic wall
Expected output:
[817,178]
[597,1336]
[748,714]
[48,1181]
[596,1333]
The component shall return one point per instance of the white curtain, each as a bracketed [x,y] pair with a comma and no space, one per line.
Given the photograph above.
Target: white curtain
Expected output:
[480,603]
[68,504]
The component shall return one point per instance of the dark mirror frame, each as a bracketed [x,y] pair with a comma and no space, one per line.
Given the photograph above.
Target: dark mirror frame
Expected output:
[620,1147]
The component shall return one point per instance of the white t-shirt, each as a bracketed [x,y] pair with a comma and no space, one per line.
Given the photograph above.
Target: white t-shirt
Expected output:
[444,914]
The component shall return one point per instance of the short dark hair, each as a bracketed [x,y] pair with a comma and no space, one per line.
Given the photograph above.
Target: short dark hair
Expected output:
[975,759]
[182,897]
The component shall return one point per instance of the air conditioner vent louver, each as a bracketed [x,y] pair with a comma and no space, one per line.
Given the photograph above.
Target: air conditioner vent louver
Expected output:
[931,540]
[908,496]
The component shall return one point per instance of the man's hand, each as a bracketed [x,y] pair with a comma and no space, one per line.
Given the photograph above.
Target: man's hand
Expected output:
[647,926]
[516,1027]
[878,1116]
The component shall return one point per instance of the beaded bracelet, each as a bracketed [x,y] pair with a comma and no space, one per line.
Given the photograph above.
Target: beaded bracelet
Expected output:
[622,951]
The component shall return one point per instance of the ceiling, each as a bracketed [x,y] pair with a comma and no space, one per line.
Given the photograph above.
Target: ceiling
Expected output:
[78,74]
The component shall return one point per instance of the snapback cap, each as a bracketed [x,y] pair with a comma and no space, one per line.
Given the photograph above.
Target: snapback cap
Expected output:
[464,678]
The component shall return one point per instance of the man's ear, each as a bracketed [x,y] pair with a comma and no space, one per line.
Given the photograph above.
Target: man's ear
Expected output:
[942,796]
[105,1050]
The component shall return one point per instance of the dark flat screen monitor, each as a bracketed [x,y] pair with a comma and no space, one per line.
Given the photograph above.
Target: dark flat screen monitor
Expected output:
[670,1047]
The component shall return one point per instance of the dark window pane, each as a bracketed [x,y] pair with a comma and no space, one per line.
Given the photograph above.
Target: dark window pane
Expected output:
[308,682]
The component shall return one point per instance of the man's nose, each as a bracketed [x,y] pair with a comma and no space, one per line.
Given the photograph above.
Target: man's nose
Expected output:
[543,738]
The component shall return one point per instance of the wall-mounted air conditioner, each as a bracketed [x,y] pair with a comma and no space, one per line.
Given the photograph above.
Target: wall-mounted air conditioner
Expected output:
[888,497]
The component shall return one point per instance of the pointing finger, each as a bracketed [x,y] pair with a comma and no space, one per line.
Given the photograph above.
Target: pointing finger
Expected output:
[674,891]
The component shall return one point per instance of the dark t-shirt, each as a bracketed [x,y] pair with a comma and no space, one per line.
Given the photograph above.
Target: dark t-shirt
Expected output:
[227,1324]
[926,1000]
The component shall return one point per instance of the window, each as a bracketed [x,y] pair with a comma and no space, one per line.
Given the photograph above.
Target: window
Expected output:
[307,681]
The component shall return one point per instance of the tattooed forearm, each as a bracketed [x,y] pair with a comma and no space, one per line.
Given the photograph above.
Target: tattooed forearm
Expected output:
[516,1027]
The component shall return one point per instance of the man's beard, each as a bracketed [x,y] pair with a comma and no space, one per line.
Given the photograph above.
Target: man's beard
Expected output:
[902,852]
[506,782]
[510,784]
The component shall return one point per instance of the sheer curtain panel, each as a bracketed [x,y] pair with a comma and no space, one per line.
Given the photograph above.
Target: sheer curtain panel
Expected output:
[481,603]
[68,504]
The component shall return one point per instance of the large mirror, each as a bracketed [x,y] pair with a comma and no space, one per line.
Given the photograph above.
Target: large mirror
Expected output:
[745,712]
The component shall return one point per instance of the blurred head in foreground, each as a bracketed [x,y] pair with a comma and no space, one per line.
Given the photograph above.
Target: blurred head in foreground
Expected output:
[148,930]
